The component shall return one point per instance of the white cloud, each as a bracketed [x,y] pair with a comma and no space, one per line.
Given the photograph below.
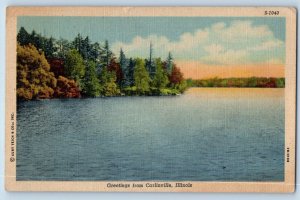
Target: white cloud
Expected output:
[236,43]
[214,49]
[162,45]
[227,57]
[268,45]
[244,30]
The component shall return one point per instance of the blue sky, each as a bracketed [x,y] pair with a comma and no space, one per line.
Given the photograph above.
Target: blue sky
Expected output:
[210,40]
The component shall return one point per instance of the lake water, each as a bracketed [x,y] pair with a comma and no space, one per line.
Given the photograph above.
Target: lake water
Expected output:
[207,134]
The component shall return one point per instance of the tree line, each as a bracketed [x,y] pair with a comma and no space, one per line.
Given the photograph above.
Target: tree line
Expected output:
[58,68]
[253,82]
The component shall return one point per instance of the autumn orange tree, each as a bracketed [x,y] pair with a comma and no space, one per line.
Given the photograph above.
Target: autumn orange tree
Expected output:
[176,79]
[113,66]
[34,78]
[66,88]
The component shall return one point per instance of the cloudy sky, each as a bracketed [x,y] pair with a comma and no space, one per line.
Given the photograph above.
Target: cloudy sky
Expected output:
[202,47]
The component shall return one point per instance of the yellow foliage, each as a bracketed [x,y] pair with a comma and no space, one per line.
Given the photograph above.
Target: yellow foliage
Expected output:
[34,79]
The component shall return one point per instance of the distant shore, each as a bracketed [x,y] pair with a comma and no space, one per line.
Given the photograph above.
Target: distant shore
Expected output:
[251,82]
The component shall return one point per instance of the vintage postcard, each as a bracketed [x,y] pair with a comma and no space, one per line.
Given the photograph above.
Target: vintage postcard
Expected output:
[151,99]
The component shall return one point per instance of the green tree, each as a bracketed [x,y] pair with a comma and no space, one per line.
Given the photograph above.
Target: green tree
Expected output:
[106,55]
[78,43]
[95,53]
[86,48]
[83,46]
[48,47]
[280,82]
[108,83]
[23,37]
[160,79]
[41,43]
[91,82]
[63,47]
[169,63]
[124,68]
[141,77]
[34,79]
[74,67]
[149,62]
[130,72]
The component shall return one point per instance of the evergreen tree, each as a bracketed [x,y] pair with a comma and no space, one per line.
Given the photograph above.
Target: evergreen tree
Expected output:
[91,82]
[77,43]
[124,67]
[23,37]
[62,48]
[83,46]
[106,55]
[141,77]
[34,39]
[160,79]
[86,48]
[130,73]
[151,52]
[149,63]
[95,52]
[37,40]
[41,43]
[169,63]
[48,47]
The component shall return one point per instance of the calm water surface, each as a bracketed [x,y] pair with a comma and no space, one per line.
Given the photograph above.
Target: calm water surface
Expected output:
[203,135]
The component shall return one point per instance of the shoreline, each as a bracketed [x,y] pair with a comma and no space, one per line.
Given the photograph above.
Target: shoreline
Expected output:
[163,95]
